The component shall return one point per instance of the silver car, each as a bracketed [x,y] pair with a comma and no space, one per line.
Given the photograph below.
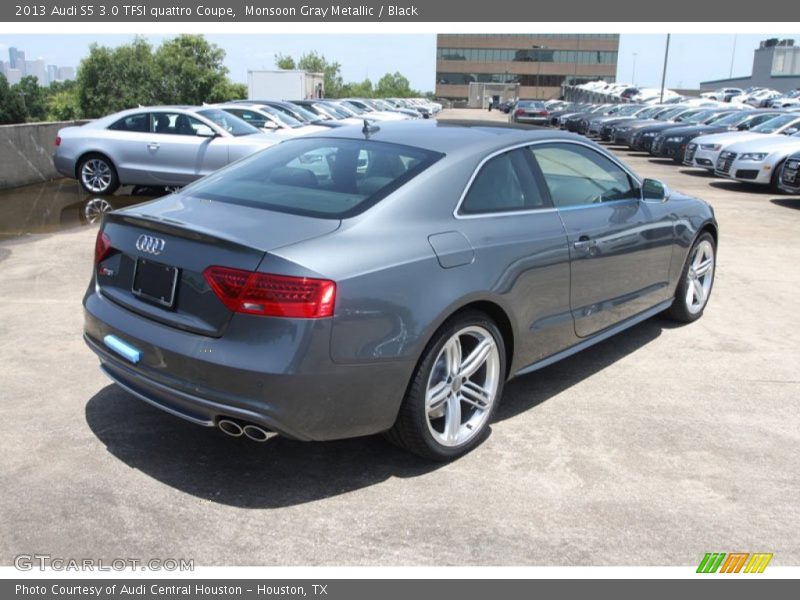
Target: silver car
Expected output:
[158,145]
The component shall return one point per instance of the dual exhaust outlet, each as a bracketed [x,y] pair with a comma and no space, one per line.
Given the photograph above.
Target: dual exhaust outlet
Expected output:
[249,430]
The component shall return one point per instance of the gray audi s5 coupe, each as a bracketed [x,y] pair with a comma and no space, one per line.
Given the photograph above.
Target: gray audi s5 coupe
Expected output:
[389,278]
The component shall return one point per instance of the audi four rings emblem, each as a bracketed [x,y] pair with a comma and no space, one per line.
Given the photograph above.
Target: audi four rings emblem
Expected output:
[150,244]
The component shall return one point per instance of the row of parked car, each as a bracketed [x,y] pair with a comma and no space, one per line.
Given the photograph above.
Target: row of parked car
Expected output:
[171,146]
[753,145]
[756,97]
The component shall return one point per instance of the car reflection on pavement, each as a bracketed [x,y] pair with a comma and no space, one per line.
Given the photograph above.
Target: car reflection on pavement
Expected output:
[61,204]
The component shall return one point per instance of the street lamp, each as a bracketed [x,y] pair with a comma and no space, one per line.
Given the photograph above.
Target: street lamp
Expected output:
[633,73]
[539,67]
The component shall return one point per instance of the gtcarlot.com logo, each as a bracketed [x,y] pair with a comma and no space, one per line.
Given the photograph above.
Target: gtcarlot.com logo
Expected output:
[734,562]
[29,562]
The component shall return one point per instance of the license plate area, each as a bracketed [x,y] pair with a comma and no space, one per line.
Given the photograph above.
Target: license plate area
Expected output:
[155,282]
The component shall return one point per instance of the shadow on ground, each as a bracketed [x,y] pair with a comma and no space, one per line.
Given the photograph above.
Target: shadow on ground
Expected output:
[281,472]
[787,202]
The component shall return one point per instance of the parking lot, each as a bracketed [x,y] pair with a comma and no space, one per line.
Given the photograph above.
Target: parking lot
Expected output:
[652,448]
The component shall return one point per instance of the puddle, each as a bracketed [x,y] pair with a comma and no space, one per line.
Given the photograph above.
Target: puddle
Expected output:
[61,204]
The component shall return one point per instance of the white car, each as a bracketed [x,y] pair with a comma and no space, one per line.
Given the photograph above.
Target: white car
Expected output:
[269,120]
[758,99]
[722,94]
[757,160]
[704,150]
[365,111]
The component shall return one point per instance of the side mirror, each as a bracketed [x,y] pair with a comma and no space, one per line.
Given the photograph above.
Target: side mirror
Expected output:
[205,131]
[269,125]
[654,190]
[790,131]
[743,127]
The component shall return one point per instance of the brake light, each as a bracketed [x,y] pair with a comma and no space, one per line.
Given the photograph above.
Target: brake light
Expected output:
[545,113]
[102,247]
[272,295]
[519,112]
[58,140]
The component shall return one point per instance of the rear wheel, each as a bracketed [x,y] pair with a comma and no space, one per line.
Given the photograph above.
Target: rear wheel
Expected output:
[774,183]
[97,174]
[697,279]
[454,391]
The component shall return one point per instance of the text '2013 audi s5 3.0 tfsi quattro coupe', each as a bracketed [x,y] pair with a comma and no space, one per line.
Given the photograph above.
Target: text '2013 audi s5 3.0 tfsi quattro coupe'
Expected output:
[387,279]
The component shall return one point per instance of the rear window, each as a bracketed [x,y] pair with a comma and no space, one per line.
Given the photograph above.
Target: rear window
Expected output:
[317,177]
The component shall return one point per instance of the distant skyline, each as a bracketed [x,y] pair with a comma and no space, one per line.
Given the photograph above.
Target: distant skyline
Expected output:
[693,57]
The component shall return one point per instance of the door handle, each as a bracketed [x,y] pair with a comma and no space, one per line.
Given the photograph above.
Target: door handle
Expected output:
[153,145]
[584,243]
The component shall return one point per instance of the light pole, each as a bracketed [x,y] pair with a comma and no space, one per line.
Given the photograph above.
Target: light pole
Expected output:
[633,72]
[539,66]
[733,56]
[664,72]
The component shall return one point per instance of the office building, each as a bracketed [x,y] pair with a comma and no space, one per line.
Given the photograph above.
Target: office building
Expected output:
[776,65]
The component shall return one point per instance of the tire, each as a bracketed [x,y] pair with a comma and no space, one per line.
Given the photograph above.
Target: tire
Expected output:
[774,183]
[686,308]
[447,409]
[97,175]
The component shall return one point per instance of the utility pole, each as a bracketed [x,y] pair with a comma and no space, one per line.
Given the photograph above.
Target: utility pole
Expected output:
[733,56]
[633,72]
[664,72]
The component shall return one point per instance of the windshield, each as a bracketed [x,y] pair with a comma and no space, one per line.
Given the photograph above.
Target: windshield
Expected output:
[356,109]
[698,117]
[733,119]
[233,125]
[629,110]
[307,114]
[281,116]
[773,125]
[317,177]
[530,104]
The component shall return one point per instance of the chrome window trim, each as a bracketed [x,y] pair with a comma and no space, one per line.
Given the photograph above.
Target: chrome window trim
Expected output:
[488,157]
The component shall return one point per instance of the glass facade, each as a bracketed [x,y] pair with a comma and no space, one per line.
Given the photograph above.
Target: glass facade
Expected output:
[786,60]
[534,79]
[583,57]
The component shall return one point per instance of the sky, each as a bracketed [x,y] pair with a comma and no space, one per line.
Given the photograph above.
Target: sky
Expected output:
[693,57]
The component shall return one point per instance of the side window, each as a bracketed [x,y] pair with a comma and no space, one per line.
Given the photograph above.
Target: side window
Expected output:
[579,176]
[175,124]
[504,183]
[139,122]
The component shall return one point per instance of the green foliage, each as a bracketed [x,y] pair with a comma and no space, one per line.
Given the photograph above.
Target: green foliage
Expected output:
[63,103]
[12,109]
[356,90]
[283,61]
[184,70]
[112,79]
[32,96]
[394,85]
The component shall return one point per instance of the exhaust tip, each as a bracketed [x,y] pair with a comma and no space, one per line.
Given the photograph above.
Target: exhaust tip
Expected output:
[256,433]
[231,428]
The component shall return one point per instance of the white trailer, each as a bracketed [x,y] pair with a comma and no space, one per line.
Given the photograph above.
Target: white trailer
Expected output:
[284,85]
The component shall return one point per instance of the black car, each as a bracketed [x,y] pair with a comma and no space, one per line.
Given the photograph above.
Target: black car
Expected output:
[789,178]
[672,143]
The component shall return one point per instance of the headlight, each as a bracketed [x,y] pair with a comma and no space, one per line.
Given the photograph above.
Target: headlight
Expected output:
[622,129]
[754,156]
[676,139]
[649,134]
[793,164]
[714,147]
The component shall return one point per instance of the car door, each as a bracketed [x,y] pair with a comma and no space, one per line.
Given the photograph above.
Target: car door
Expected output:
[620,247]
[127,148]
[182,148]
[521,252]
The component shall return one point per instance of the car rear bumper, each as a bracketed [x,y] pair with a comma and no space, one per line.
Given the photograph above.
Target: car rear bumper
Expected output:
[285,383]
[64,165]
[534,120]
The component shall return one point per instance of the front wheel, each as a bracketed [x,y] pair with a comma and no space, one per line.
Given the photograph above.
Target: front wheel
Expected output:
[454,390]
[697,279]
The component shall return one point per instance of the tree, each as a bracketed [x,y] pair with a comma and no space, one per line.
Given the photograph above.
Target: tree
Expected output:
[63,103]
[394,86]
[11,108]
[112,79]
[285,62]
[32,96]
[190,70]
[313,62]
[357,90]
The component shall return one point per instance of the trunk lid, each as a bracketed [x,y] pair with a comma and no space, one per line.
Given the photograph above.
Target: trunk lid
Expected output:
[161,248]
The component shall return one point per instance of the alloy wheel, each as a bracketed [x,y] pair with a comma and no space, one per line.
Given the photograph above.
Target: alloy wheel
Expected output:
[700,276]
[96,175]
[462,386]
[95,209]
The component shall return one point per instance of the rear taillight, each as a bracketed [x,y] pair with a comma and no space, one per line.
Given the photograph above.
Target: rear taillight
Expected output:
[544,113]
[272,295]
[519,112]
[58,140]
[102,247]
